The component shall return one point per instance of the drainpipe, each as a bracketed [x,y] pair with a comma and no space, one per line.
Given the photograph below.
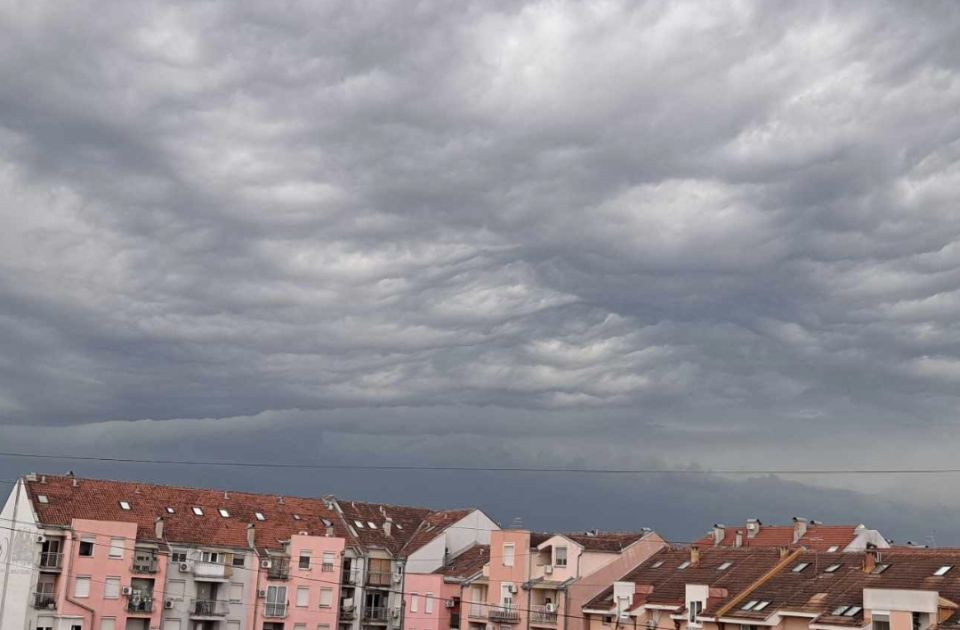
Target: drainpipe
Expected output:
[66,584]
[9,558]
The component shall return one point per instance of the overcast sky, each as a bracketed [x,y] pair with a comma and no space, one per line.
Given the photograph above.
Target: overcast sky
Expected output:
[606,234]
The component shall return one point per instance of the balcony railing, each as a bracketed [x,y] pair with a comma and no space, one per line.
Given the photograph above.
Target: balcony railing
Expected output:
[279,570]
[140,604]
[348,613]
[211,570]
[376,613]
[275,610]
[540,614]
[478,611]
[504,614]
[208,608]
[44,600]
[144,566]
[51,561]
[379,578]
[351,576]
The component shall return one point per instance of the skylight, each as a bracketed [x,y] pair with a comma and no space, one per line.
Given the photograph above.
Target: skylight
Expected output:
[197,511]
[124,505]
[684,564]
[399,526]
[259,516]
[358,524]
[943,570]
[296,517]
[880,568]
[42,498]
[800,567]
[170,510]
[852,611]
[832,568]
[833,548]
[224,513]
[372,524]
[839,610]
[724,566]
[657,564]
[761,606]
[749,605]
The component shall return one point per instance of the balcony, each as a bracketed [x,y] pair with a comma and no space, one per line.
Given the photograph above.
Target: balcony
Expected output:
[379,578]
[478,611]
[279,569]
[211,571]
[540,615]
[143,566]
[348,613]
[504,614]
[376,613]
[208,608]
[351,576]
[275,610]
[140,604]
[51,561]
[45,601]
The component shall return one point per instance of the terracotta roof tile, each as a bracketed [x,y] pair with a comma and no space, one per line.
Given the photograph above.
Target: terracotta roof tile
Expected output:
[468,562]
[818,537]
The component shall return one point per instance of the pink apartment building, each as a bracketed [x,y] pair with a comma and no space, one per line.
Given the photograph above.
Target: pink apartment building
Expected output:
[432,600]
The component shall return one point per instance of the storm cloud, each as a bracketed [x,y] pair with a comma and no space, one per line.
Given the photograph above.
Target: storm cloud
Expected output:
[675,234]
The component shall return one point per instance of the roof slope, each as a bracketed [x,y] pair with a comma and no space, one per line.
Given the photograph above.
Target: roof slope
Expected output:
[818,537]
[466,563]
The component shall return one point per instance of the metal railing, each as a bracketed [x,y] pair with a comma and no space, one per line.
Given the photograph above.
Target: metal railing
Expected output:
[540,614]
[44,600]
[478,611]
[376,613]
[144,566]
[51,560]
[209,608]
[279,569]
[275,609]
[504,614]
[140,604]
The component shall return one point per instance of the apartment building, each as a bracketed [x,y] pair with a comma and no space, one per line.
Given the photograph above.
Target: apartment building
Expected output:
[533,580]
[803,532]
[433,600]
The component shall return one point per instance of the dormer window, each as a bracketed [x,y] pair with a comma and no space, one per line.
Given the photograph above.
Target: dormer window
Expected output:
[259,516]
[800,567]
[42,498]
[198,511]
[124,506]
[943,570]
[561,556]
[224,513]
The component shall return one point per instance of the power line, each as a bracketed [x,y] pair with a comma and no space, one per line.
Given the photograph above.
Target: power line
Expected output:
[496,469]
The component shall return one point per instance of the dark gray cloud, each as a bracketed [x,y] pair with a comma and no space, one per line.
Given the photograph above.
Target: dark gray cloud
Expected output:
[604,233]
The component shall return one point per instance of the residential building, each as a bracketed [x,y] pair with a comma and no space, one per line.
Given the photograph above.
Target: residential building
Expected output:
[432,601]
[534,580]
[806,533]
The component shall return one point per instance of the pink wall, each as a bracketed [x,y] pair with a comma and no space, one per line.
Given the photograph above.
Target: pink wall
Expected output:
[419,585]
[314,579]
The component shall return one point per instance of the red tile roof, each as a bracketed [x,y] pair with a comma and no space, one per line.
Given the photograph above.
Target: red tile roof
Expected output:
[467,563]
[817,536]
[411,527]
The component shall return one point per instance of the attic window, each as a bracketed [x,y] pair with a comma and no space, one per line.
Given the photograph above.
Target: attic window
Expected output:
[296,517]
[943,570]
[749,605]
[684,564]
[372,524]
[358,524]
[657,564]
[880,568]
[761,606]
[224,513]
[832,568]
[124,506]
[725,566]
[839,610]
[852,611]
[399,526]
[800,567]
[259,516]
[170,510]
[197,511]
[42,498]
[833,548]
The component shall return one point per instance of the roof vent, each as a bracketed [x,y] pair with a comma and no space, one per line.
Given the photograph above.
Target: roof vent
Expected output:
[719,532]
[251,534]
[280,500]
[31,477]
[226,495]
[387,526]
[43,479]
[76,482]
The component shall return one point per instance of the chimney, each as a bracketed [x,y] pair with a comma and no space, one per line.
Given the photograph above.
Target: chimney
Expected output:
[799,528]
[738,539]
[387,526]
[76,482]
[158,528]
[43,479]
[251,535]
[784,551]
[870,558]
[279,500]
[719,531]
[753,527]
[694,556]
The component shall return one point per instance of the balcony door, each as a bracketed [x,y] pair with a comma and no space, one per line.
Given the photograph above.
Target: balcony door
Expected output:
[276,601]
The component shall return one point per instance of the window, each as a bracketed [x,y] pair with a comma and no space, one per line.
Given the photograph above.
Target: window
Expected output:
[749,605]
[326,597]
[880,568]
[224,513]
[323,626]
[178,556]
[372,525]
[296,517]
[236,592]
[657,564]
[42,498]
[607,620]
[170,510]
[303,596]
[832,568]
[304,560]
[839,610]
[176,589]
[694,609]
[212,556]
[725,566]
[108,623]
[428,603]
[881,622]
[239,560]
[328,560]
[943,570]
[111,588]
[414,602]
[86,548]
[358,524]
[198,511]
[81,588]
[506,595]
[299,626]
[917,621]
[745,626]
[116,548]
[259,516]
[852,611]
[684,565]
[171,624]
[124,506]
[760,606]
[508,553]
[561,559]
[800,567]
[833,548]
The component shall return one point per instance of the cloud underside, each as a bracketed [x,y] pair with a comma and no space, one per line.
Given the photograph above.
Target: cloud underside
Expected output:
[603,231]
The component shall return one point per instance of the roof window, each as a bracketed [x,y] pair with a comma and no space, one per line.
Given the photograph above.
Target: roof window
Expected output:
[224,513]
[296,517]
[657,564]
[839,610]
[943,570]
[259,516]
[800,567]
[852,611]
[725,566]
[359,524]
[833,548]
[832,568]
[124,506]
[198,511]
[684,564]
[749,605]
[170,510]
[372,524]
[399,526]
[42,498]
[761,606]
[880,568]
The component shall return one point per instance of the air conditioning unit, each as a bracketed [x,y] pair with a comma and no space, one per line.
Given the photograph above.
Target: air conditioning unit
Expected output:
[395,613]
[126,590]
[548,569]
[550,608]
[184,567]
[397,578]
[40,538]
[449,603]
[265,564]
[168,604]
[262,593]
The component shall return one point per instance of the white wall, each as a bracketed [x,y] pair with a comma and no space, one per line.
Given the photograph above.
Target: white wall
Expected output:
[474,528]
[900,599]
[18,550]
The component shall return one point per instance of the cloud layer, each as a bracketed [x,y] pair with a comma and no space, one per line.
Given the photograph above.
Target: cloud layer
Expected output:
[542,231]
